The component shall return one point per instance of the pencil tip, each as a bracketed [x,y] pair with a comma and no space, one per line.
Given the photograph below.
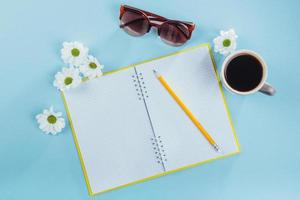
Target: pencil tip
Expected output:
[155,73]
[217,148]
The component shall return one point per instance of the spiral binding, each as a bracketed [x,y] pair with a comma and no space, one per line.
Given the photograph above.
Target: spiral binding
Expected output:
[140,86]
[159,150]
[156,140]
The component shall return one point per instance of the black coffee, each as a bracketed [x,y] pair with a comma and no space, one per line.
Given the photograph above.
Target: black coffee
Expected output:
[244,73]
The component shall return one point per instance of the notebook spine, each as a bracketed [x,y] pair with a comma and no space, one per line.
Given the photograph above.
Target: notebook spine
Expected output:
[156,140]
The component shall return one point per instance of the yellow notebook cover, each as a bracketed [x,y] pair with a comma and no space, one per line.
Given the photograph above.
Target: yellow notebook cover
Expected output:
[128,130]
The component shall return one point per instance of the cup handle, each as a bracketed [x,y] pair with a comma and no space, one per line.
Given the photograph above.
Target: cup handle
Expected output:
[268,89]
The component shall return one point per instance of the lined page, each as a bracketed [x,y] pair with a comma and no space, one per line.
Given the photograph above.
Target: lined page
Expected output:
[113,131]
[191,74]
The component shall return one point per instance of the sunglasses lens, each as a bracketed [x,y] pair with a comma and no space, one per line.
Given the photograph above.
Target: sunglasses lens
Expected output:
[174,34]
[134,24]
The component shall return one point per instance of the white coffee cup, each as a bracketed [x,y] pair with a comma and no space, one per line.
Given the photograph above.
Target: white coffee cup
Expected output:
[263,86]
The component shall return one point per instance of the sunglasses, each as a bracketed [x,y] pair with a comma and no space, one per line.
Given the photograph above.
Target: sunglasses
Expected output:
[138,22]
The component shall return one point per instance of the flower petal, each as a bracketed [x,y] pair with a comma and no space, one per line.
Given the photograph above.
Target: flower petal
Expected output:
[47,127]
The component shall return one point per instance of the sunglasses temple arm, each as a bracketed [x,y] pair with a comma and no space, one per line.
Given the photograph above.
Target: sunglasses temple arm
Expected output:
[155,16]
[191,27]
[123,7]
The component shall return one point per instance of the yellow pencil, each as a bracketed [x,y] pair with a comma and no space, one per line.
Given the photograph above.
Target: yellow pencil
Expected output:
[186,110]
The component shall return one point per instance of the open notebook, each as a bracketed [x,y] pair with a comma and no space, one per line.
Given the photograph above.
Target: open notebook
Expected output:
[127,128]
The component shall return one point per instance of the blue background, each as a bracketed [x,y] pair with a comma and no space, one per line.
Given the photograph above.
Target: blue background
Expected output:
[38,166]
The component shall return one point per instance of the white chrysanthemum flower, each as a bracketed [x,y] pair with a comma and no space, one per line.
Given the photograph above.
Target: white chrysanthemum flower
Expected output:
[50,121]
[226,42]
[91,68]
[74,53]
[67,78]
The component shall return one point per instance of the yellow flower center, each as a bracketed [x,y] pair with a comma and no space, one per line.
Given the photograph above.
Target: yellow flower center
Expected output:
[52,119]
[68,80]
[93,65]
[75,52]
[226,43]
